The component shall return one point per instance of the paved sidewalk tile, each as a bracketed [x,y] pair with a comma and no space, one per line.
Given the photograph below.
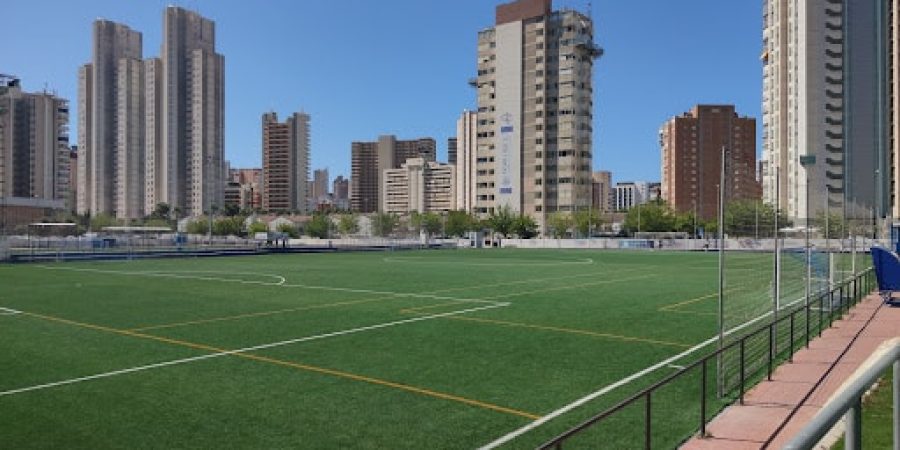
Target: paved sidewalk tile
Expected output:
[769,404]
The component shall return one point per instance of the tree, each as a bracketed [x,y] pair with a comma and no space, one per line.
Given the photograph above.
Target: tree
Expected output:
[228,226]
[383,224]
[834,227]
[525,227]
[257,227]
[231,210]
[459,223]
[558,224]
[318,226]
[289,229]
[655,216]
[751,218]
[101,221]
[587,221]
[348,224]
[199,226]
[415,222]
[432,223]
[501,221]
[161,211]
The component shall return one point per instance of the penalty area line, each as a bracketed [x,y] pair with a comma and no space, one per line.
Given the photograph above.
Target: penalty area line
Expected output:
[240,350]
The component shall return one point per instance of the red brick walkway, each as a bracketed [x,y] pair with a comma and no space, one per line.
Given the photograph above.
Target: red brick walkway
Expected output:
[767,405]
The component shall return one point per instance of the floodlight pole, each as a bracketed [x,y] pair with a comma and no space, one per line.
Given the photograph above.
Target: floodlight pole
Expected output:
[721,269]
[808,161]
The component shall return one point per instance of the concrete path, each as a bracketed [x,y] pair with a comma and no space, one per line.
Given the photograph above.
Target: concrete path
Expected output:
[769,404]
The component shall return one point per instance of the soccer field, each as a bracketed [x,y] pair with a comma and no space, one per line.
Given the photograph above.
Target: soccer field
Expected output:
[415,349]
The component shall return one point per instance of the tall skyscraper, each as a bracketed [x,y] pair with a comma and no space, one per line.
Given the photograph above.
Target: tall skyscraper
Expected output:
[192,156]
[341,190]
[34,143]
[285,162]
[466,144]
[151,131]
[535,110]
[602,191]
[319,184]
[825,95]
[893,82]
[451,150]
[102,88]
[692,159]
[369,160]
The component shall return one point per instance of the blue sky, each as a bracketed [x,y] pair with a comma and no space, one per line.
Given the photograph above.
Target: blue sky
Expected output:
[362,68]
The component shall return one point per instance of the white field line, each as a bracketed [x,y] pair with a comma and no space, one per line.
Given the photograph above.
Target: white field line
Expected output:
[185,276]
[247,349]
[532,263]
[603,391]
[9,311]
[303,286]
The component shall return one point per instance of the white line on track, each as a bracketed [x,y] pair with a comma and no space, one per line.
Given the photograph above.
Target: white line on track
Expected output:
[247,349]
[603,391]
[9,311]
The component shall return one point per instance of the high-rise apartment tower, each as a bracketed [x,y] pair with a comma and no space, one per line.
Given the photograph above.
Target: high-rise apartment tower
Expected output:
[285,162]
[692,147]
[535,110]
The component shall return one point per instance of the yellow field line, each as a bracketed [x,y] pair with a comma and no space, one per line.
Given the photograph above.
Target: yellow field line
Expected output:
[671,307]
[573,331]
[687,302]
[259,314]
[304,367]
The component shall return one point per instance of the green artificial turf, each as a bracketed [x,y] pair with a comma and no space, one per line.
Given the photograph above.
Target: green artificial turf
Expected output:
[447,349]
[877,416]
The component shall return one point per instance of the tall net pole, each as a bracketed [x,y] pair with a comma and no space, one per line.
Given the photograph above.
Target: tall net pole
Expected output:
[721,272]
[776,266]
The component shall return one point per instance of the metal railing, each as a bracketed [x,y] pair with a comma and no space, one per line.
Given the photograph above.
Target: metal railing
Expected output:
[827,306]
[847,402]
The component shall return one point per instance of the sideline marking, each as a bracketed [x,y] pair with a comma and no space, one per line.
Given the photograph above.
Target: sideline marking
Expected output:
[304,286]
[259,314]
[162,274]
[240,353]
[573,331]
[606,389]
[500,262]
[9,311]
[217,352]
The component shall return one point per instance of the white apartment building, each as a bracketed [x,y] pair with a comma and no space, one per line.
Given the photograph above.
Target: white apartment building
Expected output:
[466,150]
[34,143]
[628,194]
[419,185]
[535,111]
[824,95]
[151,131]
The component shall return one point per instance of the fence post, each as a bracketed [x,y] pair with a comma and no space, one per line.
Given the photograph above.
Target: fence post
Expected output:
[821,312]
[853,434]
[743,341]
[771,348]
[703,400]
[647,417]
[791,344]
